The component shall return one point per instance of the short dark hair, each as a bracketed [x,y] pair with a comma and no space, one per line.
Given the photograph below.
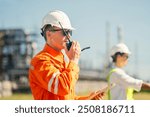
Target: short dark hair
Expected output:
[114,57]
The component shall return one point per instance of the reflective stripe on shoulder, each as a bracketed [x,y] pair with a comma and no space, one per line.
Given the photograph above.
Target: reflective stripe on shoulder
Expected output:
[55,84]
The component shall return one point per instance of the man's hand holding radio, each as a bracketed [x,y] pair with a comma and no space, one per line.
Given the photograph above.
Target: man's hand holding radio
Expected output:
[74,52]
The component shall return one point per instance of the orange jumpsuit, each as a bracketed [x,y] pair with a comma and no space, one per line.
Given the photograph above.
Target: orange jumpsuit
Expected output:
[51,77]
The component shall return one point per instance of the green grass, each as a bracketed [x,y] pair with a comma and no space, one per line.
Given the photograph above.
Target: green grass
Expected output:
[137,96]
[18,97]
[142,96]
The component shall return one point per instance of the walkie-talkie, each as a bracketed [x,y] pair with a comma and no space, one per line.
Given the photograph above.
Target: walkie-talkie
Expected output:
[69,43]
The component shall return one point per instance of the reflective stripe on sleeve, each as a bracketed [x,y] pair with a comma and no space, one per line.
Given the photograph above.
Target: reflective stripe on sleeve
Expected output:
[51,82]
[56,86]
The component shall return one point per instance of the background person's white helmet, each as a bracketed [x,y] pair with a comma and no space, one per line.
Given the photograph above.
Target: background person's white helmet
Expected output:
[121,47]
[54,17]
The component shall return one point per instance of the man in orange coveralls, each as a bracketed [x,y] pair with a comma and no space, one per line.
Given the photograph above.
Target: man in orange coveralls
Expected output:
[54,71]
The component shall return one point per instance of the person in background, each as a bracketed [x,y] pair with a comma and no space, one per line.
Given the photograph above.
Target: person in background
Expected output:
[54,71]
[123,84]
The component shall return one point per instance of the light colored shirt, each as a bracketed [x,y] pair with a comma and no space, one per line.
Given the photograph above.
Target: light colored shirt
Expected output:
[122,82]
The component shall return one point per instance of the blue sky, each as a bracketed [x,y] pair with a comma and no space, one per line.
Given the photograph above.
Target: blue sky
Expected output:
[89,17]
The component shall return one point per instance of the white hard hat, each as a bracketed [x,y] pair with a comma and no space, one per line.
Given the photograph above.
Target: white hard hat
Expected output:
[54,17]
[121,47]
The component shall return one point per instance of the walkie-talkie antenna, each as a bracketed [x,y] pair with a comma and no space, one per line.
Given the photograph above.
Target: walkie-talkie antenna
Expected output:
[85,48]
[64,32]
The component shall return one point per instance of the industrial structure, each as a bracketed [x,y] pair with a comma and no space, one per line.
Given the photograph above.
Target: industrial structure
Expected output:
[16,51]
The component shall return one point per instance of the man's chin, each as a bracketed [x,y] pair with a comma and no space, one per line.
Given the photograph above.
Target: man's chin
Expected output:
[64,46]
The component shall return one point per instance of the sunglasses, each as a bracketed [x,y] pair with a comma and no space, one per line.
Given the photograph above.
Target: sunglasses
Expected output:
[64,32]
[126,57]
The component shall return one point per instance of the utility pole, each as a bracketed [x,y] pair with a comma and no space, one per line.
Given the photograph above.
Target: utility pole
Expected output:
[108,42]
[107,63]
[136,60]
[120,34]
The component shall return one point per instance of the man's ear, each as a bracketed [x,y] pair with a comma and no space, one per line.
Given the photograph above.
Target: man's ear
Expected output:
[48,33]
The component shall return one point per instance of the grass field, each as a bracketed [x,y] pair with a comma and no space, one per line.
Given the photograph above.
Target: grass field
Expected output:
[96,85]
[137,96]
